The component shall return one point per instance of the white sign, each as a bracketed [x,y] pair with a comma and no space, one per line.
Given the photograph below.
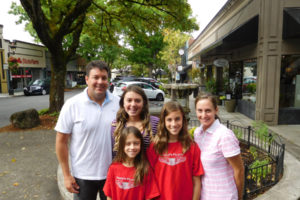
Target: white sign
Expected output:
[5,66]
[220,62]
[179,68]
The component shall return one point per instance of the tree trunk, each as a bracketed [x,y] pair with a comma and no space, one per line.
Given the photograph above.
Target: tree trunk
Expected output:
[57,86]
[150,68]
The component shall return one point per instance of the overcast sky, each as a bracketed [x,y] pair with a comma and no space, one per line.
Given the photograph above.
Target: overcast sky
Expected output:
[204,10]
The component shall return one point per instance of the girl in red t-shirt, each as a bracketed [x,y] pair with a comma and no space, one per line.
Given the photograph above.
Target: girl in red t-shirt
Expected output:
[129,176]
[174,156]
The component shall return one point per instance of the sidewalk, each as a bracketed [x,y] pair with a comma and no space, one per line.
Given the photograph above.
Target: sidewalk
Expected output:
[6,95]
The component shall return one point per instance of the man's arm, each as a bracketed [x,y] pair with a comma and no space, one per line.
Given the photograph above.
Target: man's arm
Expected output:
[62,153]
[238,169]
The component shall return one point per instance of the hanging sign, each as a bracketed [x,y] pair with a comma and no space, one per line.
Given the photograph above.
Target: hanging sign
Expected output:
[221,62]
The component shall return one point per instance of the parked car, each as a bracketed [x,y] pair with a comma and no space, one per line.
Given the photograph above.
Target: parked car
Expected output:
[248,83]
[150,81]
[150,91]
[120,78]
[39,86]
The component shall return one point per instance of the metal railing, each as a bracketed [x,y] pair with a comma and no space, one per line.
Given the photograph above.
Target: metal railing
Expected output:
[265,174]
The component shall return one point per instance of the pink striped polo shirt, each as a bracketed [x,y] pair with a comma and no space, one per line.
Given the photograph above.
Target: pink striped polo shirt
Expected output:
[216,144]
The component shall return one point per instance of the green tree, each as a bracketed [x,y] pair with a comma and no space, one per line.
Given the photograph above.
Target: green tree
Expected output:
[144,49]
[59,24]
[174,40]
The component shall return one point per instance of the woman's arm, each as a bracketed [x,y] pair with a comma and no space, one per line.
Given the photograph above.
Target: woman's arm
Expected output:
[108,198]
[196,187]
[238,168]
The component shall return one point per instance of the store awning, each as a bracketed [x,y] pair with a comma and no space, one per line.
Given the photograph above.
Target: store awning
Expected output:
[291,23]
[239,37]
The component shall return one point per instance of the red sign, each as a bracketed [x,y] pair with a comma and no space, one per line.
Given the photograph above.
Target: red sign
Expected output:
[21,76]
[28,61]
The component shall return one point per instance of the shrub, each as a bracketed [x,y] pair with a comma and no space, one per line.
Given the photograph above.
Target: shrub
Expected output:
[191,131]
[238,133]
[262,168]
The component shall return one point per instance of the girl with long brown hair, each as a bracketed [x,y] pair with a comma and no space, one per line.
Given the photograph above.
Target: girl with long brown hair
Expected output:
[129,176]
[174,156]
[134,111]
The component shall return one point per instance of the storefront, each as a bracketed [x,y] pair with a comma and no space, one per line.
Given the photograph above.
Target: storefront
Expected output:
[31,63]
[261,41]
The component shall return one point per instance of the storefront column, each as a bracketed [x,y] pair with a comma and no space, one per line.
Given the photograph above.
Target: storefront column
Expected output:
[269,60]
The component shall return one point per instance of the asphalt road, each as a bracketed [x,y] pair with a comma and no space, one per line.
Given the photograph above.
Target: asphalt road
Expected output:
[10,105]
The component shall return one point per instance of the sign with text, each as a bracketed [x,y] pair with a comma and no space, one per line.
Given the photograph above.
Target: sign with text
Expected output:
[22,76]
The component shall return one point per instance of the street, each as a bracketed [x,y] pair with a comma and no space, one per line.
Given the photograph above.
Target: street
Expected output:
[10,105]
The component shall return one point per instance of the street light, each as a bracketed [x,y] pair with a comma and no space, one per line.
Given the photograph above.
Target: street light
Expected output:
[11,50]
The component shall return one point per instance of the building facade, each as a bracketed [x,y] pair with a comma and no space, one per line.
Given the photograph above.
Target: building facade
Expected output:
[260,39]
[34,62]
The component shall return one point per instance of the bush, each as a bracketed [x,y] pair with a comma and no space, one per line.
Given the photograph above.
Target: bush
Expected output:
[191,131]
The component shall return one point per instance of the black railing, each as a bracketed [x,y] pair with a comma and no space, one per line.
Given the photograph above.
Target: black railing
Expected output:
[265,174]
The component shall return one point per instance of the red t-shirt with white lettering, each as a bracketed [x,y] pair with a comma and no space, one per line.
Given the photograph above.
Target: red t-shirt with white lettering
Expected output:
[120,184]
[174,170]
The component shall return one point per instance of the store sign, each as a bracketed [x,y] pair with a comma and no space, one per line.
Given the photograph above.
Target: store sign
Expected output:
[221,62]
[22,76]
[28,61]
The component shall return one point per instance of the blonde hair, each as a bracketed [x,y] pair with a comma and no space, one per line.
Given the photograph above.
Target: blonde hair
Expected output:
[122,116]
[162,137]
[140,161]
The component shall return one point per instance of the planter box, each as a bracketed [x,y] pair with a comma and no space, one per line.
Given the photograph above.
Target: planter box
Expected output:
[230,105]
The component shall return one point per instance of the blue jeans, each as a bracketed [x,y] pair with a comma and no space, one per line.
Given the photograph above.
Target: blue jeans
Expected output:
[89,189]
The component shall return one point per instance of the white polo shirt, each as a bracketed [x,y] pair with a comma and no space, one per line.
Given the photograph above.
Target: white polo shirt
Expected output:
[89,125]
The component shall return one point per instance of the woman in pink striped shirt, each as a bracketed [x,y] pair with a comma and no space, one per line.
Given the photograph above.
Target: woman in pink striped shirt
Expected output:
[220,154]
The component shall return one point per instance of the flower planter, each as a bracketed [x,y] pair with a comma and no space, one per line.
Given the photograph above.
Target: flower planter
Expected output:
[230,105]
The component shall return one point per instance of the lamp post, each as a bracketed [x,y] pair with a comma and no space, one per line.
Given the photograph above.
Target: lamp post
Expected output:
[11,50]
[179,68]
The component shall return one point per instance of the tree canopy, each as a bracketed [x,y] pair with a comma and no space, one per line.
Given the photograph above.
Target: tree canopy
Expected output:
[63,26]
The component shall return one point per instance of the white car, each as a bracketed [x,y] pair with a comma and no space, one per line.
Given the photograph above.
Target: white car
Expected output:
[150,91]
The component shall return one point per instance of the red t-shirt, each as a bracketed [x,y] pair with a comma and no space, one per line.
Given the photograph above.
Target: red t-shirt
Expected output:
[120,184]
[174,170]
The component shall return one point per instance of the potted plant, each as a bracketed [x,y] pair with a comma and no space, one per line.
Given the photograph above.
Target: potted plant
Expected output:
[13,64]
[230,102]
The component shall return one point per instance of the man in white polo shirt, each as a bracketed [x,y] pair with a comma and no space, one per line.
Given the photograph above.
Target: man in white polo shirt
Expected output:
[85,120]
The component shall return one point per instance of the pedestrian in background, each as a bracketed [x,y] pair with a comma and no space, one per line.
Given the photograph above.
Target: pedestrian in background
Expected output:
[134,111]
[85,120]
[130,177]
[220,154]
[175,157]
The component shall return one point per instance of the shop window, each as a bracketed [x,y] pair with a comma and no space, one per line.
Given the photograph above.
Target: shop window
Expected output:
[290,82]
[249,80]
[235,79]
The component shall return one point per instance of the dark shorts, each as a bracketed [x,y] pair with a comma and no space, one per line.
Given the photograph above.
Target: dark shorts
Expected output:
[89,189]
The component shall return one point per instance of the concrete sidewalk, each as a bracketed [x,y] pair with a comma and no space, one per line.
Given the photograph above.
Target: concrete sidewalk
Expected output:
[6,95]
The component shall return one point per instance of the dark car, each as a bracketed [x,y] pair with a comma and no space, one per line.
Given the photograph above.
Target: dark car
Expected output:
[39,86]
[150,81]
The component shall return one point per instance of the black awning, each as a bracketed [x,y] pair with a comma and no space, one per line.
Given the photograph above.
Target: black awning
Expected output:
[243,35]
[291,23]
